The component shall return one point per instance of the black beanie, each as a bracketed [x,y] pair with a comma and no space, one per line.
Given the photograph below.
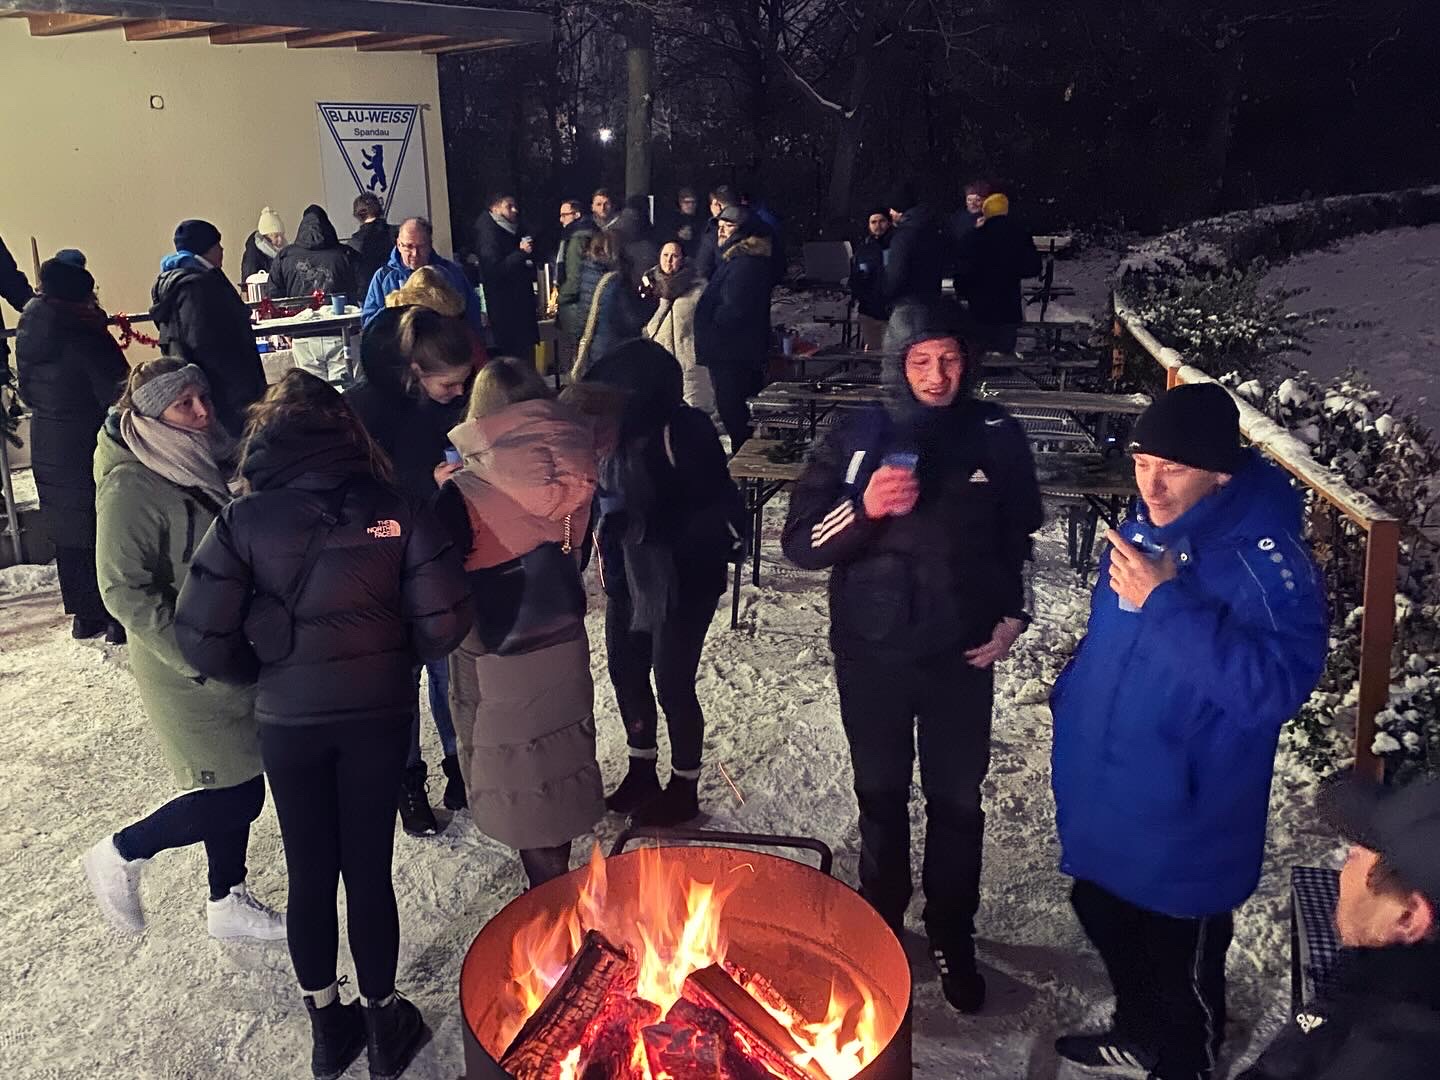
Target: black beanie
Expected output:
[196,236]
[1196,425]
[63,280]
[903,197]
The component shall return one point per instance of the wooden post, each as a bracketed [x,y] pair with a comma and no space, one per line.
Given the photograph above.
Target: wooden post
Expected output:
[1117,347]
[1377,636]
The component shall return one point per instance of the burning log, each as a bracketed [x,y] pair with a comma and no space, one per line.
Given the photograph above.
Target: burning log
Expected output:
[752,1032]
[597,973]
[609,1041]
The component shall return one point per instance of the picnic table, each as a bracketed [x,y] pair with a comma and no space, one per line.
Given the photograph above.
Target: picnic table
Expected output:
[862,366]
[1097,485]
[312,323]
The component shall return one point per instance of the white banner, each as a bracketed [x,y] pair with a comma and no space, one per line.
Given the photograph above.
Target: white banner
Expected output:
[376,148]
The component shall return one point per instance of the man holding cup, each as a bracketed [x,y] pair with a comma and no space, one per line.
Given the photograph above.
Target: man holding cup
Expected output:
[507,267]
[1207,632]
[923,510]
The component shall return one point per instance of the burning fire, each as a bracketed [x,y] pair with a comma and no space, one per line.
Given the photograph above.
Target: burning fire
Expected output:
[672,929]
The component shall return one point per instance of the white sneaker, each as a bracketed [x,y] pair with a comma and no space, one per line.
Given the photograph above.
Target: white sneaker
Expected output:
[116,884]
[241,915]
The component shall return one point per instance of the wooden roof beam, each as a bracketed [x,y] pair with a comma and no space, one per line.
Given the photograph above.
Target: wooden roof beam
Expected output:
[162,29]
[399,42]
[54,25]
[468,46]
[250,35]
[319,39]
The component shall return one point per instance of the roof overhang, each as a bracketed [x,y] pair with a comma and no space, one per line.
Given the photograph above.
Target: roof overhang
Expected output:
[366,25]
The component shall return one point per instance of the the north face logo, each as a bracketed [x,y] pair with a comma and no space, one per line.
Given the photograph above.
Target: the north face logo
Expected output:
[1308,1022]
[384,530]
[979,477]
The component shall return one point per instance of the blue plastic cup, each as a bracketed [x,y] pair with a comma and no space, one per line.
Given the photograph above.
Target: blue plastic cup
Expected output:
[337,304]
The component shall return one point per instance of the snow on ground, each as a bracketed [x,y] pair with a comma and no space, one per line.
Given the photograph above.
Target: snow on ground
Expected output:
[1385,288]
[80,1000]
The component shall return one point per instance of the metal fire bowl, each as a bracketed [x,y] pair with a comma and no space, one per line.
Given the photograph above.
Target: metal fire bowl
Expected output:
[801,929]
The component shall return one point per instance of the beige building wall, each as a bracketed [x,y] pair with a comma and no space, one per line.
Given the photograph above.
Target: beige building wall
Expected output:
[86,162]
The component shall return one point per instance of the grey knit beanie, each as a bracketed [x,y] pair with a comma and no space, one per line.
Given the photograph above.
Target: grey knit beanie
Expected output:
[157,395]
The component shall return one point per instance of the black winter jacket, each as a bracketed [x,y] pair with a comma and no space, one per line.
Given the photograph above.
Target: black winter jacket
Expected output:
[71,372]
[1380,1017]
[939,579]
[509,277]
[315,260]
[253,260]
[989,265]
[203,321]
[920,249]
[15,288]
[867,276]
[732,317]
[412,429]
[385,592]
[707,252]
[372,243]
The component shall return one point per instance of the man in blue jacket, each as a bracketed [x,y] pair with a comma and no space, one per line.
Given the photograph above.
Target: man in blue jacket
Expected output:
[1207,632]
[413,249]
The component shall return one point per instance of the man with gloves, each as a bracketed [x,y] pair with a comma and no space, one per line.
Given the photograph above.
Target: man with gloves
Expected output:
[923,510]
[1207,632]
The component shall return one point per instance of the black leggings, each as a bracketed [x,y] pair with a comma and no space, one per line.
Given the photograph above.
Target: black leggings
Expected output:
[336,788]
[219,818]
[674,655]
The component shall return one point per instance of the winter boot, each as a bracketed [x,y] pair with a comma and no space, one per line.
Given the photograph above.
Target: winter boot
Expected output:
[394,1034]
[116,882]
[241,915]
[80,629]
[337,1036]
[415,814]
[1109,1052]
[454,784]
[639,787]
[677,804]
[115,634]
[960,980]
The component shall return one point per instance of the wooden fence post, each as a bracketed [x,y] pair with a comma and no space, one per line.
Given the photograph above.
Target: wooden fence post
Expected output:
[1377,637]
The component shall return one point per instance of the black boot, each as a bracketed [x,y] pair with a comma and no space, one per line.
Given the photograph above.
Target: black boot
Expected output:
[960,980]
[337,1034]
[80,629]
[415,814]
[639,787]
[115,634]
[394,1033]
[677,804]
[454,797]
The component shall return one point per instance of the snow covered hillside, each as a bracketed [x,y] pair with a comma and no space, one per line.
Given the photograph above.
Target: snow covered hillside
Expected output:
[79,1000]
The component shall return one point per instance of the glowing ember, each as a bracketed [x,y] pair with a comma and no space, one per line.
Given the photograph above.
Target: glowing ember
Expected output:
[671,930]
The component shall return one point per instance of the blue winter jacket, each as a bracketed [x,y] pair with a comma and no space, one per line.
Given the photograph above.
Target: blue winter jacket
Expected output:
[395,273]
[1166,719]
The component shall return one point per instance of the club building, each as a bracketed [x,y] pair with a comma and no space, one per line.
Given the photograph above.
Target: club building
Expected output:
[122,118]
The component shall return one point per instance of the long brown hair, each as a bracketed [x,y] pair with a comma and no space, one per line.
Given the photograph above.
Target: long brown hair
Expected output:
[432,342]
[301,396]
[143,373]
[504,381]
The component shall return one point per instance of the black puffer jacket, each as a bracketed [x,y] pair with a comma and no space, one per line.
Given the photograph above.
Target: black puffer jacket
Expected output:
[372,243]
[412,430]
[386,590]
[315,261]
[1380,1017]
[732,319]
[938,579]
[920,249]
[203,321]
[989,265]
[71,371]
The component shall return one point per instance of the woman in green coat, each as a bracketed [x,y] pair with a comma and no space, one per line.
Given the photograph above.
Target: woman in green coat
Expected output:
[158,486]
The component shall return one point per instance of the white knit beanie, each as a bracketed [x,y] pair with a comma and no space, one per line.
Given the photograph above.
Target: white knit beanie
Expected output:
[270,223]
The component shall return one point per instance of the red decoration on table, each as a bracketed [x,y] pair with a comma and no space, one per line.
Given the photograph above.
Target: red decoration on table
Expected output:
[267,309]
[128,333]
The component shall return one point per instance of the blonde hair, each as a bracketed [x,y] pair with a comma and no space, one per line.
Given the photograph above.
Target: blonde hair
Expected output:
[504,381]
[143,373]
[428,287]
[433,343]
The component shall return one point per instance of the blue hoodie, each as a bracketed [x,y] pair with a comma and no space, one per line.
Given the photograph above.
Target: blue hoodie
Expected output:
[395,273]
[1166,719]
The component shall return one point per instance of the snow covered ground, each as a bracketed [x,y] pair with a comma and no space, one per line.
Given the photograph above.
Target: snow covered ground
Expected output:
[80,1000]
[1385,288]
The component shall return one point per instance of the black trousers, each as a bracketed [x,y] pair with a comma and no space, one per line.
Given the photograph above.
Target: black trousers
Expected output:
[733,389]
[336,788]
[883,705]
[674,656]
[79,590]
[219,818]
[545,863]
[1168,974]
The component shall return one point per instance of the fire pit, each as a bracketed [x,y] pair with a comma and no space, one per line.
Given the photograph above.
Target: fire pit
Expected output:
[682,962]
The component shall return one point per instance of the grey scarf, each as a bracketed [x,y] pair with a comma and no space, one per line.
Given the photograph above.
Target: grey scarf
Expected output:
[262,243]
[188,459]
[505,223]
